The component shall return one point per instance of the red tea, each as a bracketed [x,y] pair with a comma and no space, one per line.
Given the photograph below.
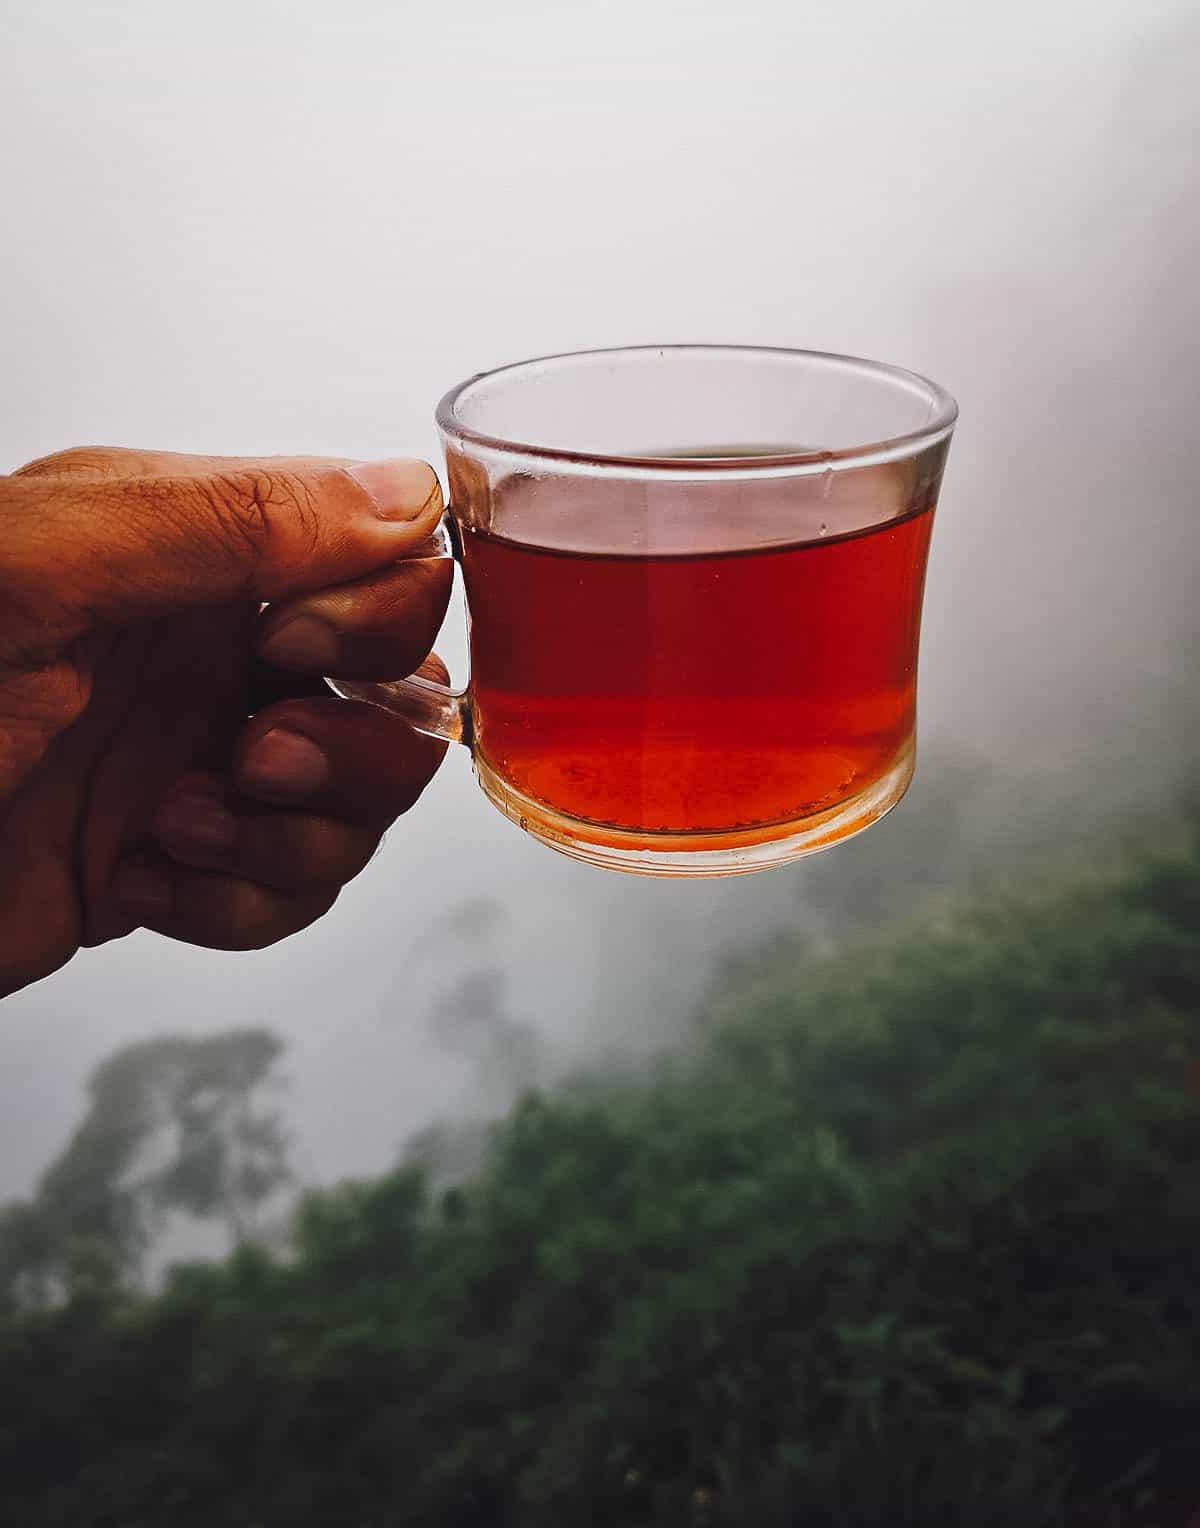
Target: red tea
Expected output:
[690,692]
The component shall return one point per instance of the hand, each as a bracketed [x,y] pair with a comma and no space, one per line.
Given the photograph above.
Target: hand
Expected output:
[150,772]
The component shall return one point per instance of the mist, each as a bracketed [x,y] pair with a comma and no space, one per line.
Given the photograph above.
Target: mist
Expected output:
[261,229]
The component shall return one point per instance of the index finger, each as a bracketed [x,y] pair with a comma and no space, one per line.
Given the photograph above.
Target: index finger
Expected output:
[132,548]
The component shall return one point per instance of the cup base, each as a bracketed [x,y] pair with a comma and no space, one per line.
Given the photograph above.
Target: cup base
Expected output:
[702,853]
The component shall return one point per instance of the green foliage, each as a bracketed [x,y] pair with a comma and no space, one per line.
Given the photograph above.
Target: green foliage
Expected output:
[230,1154]
[913,1239]
[220,1152]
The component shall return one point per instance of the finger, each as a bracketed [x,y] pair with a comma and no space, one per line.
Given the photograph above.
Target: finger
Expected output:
[131,548]
[379,627]
[117,463]
[335,757]
[204,824]
[220,912]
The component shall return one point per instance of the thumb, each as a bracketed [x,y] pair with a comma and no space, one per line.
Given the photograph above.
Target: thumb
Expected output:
[120,536]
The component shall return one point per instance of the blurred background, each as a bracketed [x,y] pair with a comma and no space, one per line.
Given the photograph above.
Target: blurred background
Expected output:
[265,228]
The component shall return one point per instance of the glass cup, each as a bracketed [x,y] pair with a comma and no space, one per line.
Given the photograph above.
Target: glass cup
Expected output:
[694,577]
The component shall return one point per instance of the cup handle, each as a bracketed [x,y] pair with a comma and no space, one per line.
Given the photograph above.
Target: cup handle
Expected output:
[425,704]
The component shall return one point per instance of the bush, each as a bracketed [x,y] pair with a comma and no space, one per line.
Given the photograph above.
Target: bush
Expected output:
[913,1238]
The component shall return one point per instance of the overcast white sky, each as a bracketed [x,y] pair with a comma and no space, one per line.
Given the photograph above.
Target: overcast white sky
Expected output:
[255,227]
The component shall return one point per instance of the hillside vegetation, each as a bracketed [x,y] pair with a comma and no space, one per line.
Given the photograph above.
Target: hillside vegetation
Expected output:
[912,1237]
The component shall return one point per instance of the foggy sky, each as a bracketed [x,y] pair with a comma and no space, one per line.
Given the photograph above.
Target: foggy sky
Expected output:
[262,228]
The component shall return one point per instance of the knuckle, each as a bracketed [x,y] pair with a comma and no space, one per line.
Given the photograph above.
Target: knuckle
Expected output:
[294,495]
[353,857]
[238,502]
[252,505]
[308,855]
[248,924]
[329,856]
[428,754]
[260,937]
[267,928]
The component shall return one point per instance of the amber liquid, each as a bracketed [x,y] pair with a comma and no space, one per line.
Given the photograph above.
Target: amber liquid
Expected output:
[706,693]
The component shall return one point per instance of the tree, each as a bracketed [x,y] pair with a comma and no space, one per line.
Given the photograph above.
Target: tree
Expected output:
[230,1153]
[911,1237]
[173,1124]
[93,1194]
[28,1247]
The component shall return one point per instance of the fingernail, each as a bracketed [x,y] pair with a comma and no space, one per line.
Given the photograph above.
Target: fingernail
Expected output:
[195,822]
[306,641]
[401,488]
[142,892]
[282,760]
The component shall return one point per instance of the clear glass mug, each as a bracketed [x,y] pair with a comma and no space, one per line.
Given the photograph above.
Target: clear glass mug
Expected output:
[694,577]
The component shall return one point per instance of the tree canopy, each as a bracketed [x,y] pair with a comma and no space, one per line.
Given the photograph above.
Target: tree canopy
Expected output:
[175,1123]
[910,1237]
